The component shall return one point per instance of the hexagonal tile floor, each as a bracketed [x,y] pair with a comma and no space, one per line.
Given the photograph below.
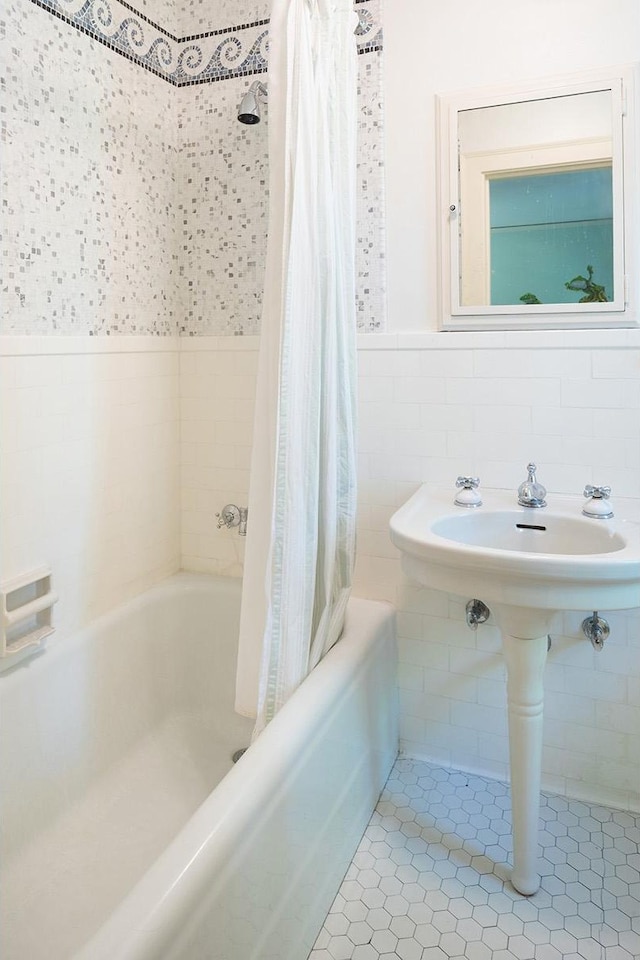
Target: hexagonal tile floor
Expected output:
[430,879]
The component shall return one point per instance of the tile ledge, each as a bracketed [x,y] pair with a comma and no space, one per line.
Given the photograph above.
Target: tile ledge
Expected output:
[199,344]
[503,339]
[23,345]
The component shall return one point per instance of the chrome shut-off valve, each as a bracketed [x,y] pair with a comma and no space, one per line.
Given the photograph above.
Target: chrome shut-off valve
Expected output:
[476,612]
[596,629]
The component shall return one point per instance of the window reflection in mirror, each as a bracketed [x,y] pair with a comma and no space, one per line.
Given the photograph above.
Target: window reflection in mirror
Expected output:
[544,227]
[536,201]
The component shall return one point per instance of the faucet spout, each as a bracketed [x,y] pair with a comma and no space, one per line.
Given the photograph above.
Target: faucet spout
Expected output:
[530,492]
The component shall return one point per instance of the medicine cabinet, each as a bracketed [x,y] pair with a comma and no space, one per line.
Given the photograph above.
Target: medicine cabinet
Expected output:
[535,190]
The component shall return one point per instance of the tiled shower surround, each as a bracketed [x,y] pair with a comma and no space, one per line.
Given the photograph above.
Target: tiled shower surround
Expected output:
[90,473]
[142,205]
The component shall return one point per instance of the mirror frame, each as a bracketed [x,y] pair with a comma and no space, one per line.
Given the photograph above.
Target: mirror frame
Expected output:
[619,312]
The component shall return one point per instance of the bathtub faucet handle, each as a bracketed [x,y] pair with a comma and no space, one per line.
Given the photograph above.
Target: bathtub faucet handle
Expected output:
[232,516]
[229,516]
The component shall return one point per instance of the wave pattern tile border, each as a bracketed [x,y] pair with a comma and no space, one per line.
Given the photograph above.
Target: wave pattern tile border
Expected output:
[203,58]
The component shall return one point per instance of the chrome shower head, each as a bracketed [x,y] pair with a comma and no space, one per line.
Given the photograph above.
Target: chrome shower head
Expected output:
[249,109]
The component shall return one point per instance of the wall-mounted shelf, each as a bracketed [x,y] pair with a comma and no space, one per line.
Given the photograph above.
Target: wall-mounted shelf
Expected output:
[26,604]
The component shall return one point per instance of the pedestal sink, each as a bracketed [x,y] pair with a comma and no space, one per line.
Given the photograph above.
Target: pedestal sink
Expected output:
[526,565]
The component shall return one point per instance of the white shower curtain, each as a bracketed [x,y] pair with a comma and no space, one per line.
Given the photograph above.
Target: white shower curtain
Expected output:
[301,530]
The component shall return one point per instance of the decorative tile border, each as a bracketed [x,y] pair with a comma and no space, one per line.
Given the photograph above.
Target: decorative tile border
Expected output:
[202,58]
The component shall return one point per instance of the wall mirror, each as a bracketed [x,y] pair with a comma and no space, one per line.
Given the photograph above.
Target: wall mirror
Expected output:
[532,198]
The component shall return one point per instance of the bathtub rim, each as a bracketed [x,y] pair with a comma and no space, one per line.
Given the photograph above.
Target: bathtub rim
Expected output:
[142,922]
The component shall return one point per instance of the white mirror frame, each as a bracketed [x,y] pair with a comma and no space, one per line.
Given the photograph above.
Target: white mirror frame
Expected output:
[623,310]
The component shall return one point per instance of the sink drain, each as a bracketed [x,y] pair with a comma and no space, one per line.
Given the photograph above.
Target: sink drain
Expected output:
[238,753]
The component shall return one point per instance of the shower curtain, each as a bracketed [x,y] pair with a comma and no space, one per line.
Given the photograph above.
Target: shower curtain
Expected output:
[301,531]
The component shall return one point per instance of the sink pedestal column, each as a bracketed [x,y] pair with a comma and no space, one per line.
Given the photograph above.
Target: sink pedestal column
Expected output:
[525,661]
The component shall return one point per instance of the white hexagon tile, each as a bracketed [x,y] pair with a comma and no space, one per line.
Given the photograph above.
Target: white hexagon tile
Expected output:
[430,879]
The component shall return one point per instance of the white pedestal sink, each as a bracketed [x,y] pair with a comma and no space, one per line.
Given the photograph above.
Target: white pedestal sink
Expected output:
[526,565]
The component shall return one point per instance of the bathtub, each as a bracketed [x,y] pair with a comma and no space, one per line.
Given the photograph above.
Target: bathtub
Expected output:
[128,833]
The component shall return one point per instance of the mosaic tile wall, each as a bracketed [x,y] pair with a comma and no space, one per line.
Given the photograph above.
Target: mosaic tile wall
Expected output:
[133,207]
[205,13]
[223,208]
[370,239]
[88,182]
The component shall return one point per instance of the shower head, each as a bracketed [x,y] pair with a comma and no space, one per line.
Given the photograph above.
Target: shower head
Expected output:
[249,109]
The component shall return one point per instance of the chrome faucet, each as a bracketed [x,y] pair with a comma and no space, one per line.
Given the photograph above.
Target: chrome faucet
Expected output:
[530,492]
[232,516]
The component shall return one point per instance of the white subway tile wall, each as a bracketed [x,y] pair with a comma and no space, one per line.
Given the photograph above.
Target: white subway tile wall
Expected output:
[217,376]
[89,475]
[90,484]
[452,681]
[427,415]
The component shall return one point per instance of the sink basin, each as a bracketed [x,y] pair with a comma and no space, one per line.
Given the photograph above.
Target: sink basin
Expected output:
[547,559]
[510,530]
[526,564]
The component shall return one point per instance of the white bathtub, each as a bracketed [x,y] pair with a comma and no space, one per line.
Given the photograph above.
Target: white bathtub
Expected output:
[127,833]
